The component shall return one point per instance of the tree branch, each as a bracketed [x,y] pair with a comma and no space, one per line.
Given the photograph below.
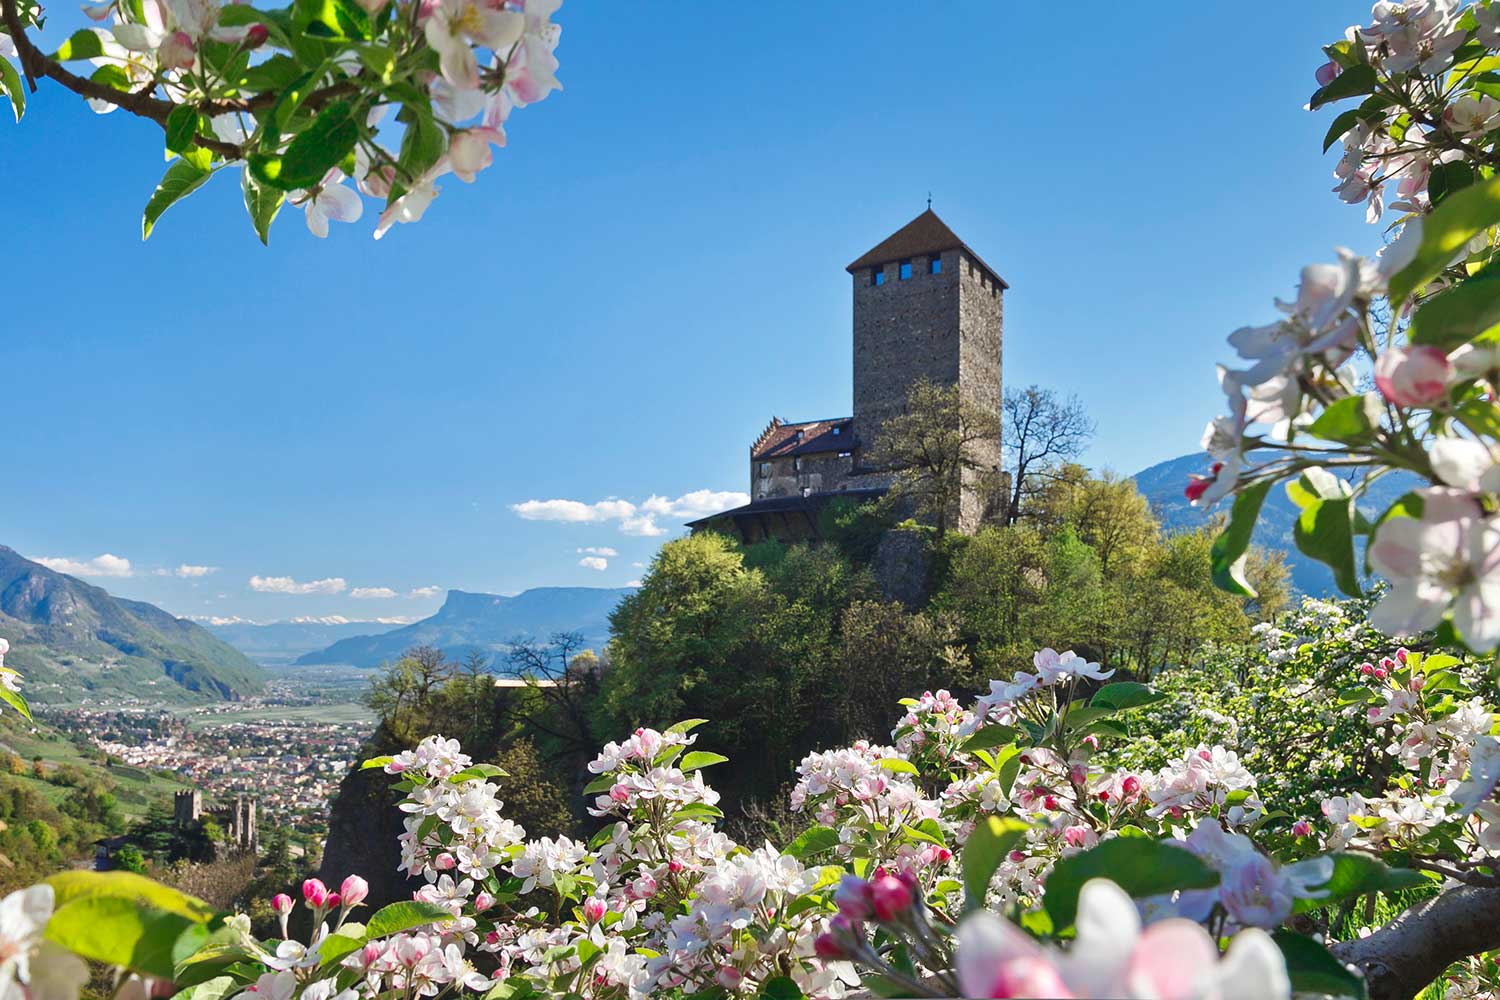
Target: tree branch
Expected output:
[1402,957]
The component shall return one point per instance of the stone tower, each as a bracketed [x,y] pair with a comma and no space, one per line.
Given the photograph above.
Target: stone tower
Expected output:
[187,806]
[926,306]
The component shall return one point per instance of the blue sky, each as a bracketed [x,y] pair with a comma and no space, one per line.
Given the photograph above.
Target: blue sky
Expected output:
[651,270]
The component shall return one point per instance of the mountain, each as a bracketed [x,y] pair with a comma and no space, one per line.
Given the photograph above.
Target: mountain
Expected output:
[71,639]
[280,643]
[1163,483]
[485,623]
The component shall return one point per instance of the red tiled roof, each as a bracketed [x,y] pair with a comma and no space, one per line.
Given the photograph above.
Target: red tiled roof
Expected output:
[780,440]
[922,236]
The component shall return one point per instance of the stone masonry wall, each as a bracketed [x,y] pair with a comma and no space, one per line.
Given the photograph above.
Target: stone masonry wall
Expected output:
[821,472]
[981,316]
[903,330]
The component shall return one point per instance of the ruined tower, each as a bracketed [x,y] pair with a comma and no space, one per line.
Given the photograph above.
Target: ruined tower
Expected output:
[926,306]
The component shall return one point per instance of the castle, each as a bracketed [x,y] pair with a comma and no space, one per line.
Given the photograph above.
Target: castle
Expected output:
[237,820]
[925,306]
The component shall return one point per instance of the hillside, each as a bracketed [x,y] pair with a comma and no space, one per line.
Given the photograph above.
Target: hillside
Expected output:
[485,623]
[1162,485]
[74,641]
[278,643]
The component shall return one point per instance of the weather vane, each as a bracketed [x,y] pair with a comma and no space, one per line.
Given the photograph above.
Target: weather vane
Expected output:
[929,199]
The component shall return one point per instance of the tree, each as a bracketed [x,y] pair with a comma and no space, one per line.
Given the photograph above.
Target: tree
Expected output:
[1040,432]
[287,100]
[932,447]
[403,693]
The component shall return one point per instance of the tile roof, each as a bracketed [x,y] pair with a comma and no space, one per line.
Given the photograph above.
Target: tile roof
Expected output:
[924,235]
[810,504]
[780,440]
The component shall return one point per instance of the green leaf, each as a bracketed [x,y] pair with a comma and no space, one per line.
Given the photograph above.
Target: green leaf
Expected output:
[1446,178]
[898,766]
[992,839]
[698,811]
[70,886]
[1227,557]
[335,19]
[1325,531]
[263,202]
[474,771]
[1341,126]
[422,144]
[1357,874]
[213,989]
[700,759]
[82,44]
[10,84]
[181,179]
[125,932]
[403,916]
[14,699]
[1445,233]
[1459,314]
[1313,969]
[276,73]
[314,151]
[341,943]
[927,831]
[780,988]
[1352,82]
[1010,766]
[375,762]
[1352,420]
[685,726]
[1125,694]
[603,783]
[1140,867]
[111,76]
[989,737]
[182,125]
[812,842]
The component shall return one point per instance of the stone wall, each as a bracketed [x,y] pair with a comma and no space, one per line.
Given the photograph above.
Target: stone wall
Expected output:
[821,472]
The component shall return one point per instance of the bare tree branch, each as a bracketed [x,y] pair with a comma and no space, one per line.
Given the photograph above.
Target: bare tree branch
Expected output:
[1040,432]
[1401,958]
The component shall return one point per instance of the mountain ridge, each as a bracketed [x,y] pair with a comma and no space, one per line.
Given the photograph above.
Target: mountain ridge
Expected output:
[68,637]
[472,622]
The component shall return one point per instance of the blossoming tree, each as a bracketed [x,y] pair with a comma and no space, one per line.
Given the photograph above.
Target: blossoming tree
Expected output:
[297,100]
[1006,846]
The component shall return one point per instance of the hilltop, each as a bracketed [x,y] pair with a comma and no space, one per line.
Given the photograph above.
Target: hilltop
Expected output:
[72,640]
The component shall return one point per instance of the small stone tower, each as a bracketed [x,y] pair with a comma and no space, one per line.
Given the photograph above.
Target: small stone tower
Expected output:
[926,306]
[187,807]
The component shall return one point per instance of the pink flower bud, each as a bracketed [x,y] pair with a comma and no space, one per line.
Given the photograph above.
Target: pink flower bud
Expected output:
[643,887]
[1301,828]
[1328,72]
[1050,803]
[354,890]
[889,897]
[943,855]
[594,909]
[675,867]
[281,903]
[177,51]
[314,892]
[1418,682]
[1380,673]
[256,36]
[619,793]
[828,947]
[1091,741]
[730,978]
[1017,857]
[334,899]
[1076,836]
[1401,654]
[1367,669]
[1388,663]
[483,901]
[853,898]
[1131,786]
[1078,774]
[371,952]
[1413,376]
[1205,755]
[444,862]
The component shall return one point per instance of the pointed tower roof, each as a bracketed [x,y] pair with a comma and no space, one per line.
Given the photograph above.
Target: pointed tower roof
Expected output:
[924,235]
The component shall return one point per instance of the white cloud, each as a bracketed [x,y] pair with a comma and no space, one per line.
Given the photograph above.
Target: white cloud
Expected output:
[633,519]
[633,583]
[594,562]
[598,550]
[286,585]
[638,565]
[100,565]
[372,593]
[425,592]
[186,572]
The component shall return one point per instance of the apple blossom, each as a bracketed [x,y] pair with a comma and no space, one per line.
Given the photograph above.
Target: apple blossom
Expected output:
[1413,376]
[1432,563]
[329,200]
[30,967]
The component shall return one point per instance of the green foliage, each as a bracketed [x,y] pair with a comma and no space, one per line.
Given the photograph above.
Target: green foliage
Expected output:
[1139,865]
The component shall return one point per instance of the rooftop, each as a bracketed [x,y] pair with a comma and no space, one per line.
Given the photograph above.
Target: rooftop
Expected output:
[810,504]
[780,440]
[925,235]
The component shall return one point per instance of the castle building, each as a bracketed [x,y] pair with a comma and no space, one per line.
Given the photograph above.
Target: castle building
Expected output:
[925,306]
[237,820]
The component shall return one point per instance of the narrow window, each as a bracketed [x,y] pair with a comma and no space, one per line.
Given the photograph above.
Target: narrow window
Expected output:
[797,465]
[838,430]
[846,454]
[935,264]
[877,276]
[905,269]
[765,468]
